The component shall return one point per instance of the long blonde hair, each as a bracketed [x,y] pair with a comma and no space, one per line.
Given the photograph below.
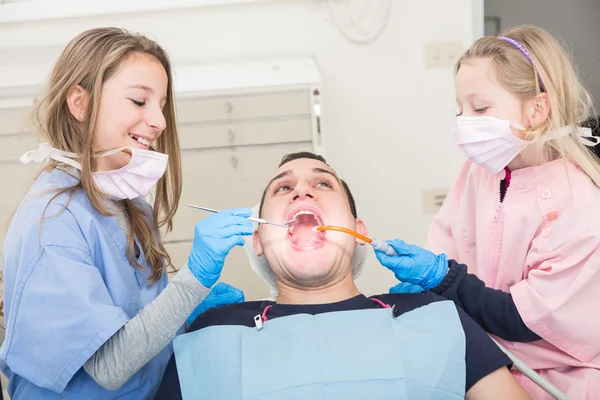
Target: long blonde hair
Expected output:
[552,72]
[89,60]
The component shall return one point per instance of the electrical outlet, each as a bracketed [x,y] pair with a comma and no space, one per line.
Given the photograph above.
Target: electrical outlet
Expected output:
[433,200]
[442,54]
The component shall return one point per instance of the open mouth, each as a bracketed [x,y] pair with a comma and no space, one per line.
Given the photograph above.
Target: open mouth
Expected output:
[138,139]
[301,232]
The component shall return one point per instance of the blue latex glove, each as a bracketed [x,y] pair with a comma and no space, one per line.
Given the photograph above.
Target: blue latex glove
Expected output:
[405,287]
[414,264]
[214,236]
[221,295]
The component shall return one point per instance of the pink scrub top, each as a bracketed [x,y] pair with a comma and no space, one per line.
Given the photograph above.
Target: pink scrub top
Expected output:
[541,244]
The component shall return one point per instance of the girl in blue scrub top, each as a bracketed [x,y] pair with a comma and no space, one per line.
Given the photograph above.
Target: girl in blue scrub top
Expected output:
[88,311]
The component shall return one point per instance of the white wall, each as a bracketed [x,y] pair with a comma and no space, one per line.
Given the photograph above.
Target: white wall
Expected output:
[574,21]
[387,117]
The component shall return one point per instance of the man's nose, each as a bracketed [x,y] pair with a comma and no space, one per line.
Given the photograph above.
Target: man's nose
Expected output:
[303,191]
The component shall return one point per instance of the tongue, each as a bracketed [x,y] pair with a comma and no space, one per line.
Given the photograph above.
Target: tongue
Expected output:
[303,235]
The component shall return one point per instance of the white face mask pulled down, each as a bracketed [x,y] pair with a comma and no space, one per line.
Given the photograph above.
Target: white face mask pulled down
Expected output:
[134,180]
[489,141]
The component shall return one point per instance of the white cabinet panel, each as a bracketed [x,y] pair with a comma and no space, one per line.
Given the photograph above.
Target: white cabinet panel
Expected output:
[242,107]
[12,147]
[248,133]
[14,120]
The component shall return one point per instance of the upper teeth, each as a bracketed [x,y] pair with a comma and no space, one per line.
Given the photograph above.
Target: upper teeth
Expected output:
[141,140]
[305,212]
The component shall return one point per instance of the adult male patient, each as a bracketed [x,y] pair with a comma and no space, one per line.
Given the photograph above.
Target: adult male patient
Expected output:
[323,339]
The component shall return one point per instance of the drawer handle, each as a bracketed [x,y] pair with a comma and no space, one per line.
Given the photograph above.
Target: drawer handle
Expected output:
[228,107]
[231,135]
[234,162]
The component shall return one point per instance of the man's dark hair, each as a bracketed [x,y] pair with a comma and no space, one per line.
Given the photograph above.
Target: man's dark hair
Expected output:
[306,154]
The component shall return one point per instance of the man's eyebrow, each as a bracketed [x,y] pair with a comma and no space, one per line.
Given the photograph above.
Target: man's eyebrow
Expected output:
[279,176]
[326,171]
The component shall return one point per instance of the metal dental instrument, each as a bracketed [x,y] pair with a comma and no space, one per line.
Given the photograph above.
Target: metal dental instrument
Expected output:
[257,220]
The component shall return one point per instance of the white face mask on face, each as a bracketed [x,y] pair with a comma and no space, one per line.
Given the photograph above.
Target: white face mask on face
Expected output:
[489,141]
[133,180]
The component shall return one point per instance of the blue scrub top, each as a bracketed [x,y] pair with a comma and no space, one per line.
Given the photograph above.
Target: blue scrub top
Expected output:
[68,287]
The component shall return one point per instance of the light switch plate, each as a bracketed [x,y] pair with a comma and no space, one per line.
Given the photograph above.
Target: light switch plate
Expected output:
[442,54]
[433,200]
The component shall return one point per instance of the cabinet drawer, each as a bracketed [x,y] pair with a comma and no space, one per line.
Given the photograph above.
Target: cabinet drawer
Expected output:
[17,178]
[239,134]
[236,272]
[240,107]
[15,120]
[224,179]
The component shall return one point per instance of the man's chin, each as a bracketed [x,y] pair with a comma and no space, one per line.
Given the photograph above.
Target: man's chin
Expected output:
[310,279]
[305,273]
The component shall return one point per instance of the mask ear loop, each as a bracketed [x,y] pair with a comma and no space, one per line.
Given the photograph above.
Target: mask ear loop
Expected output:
[526,131]
[587,138]
[584,134]
[65,160]
[45,152]
[108,153]
[518,126]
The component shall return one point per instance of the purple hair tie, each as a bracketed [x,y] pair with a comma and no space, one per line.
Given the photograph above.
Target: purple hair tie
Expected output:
[526,54]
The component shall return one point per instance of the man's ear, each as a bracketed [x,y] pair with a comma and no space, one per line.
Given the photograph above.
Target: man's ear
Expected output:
[538,110]
[78,101]
[362,229]
[257,246]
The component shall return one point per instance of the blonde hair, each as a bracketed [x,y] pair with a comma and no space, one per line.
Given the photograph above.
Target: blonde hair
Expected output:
[552,72]
[89,60]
